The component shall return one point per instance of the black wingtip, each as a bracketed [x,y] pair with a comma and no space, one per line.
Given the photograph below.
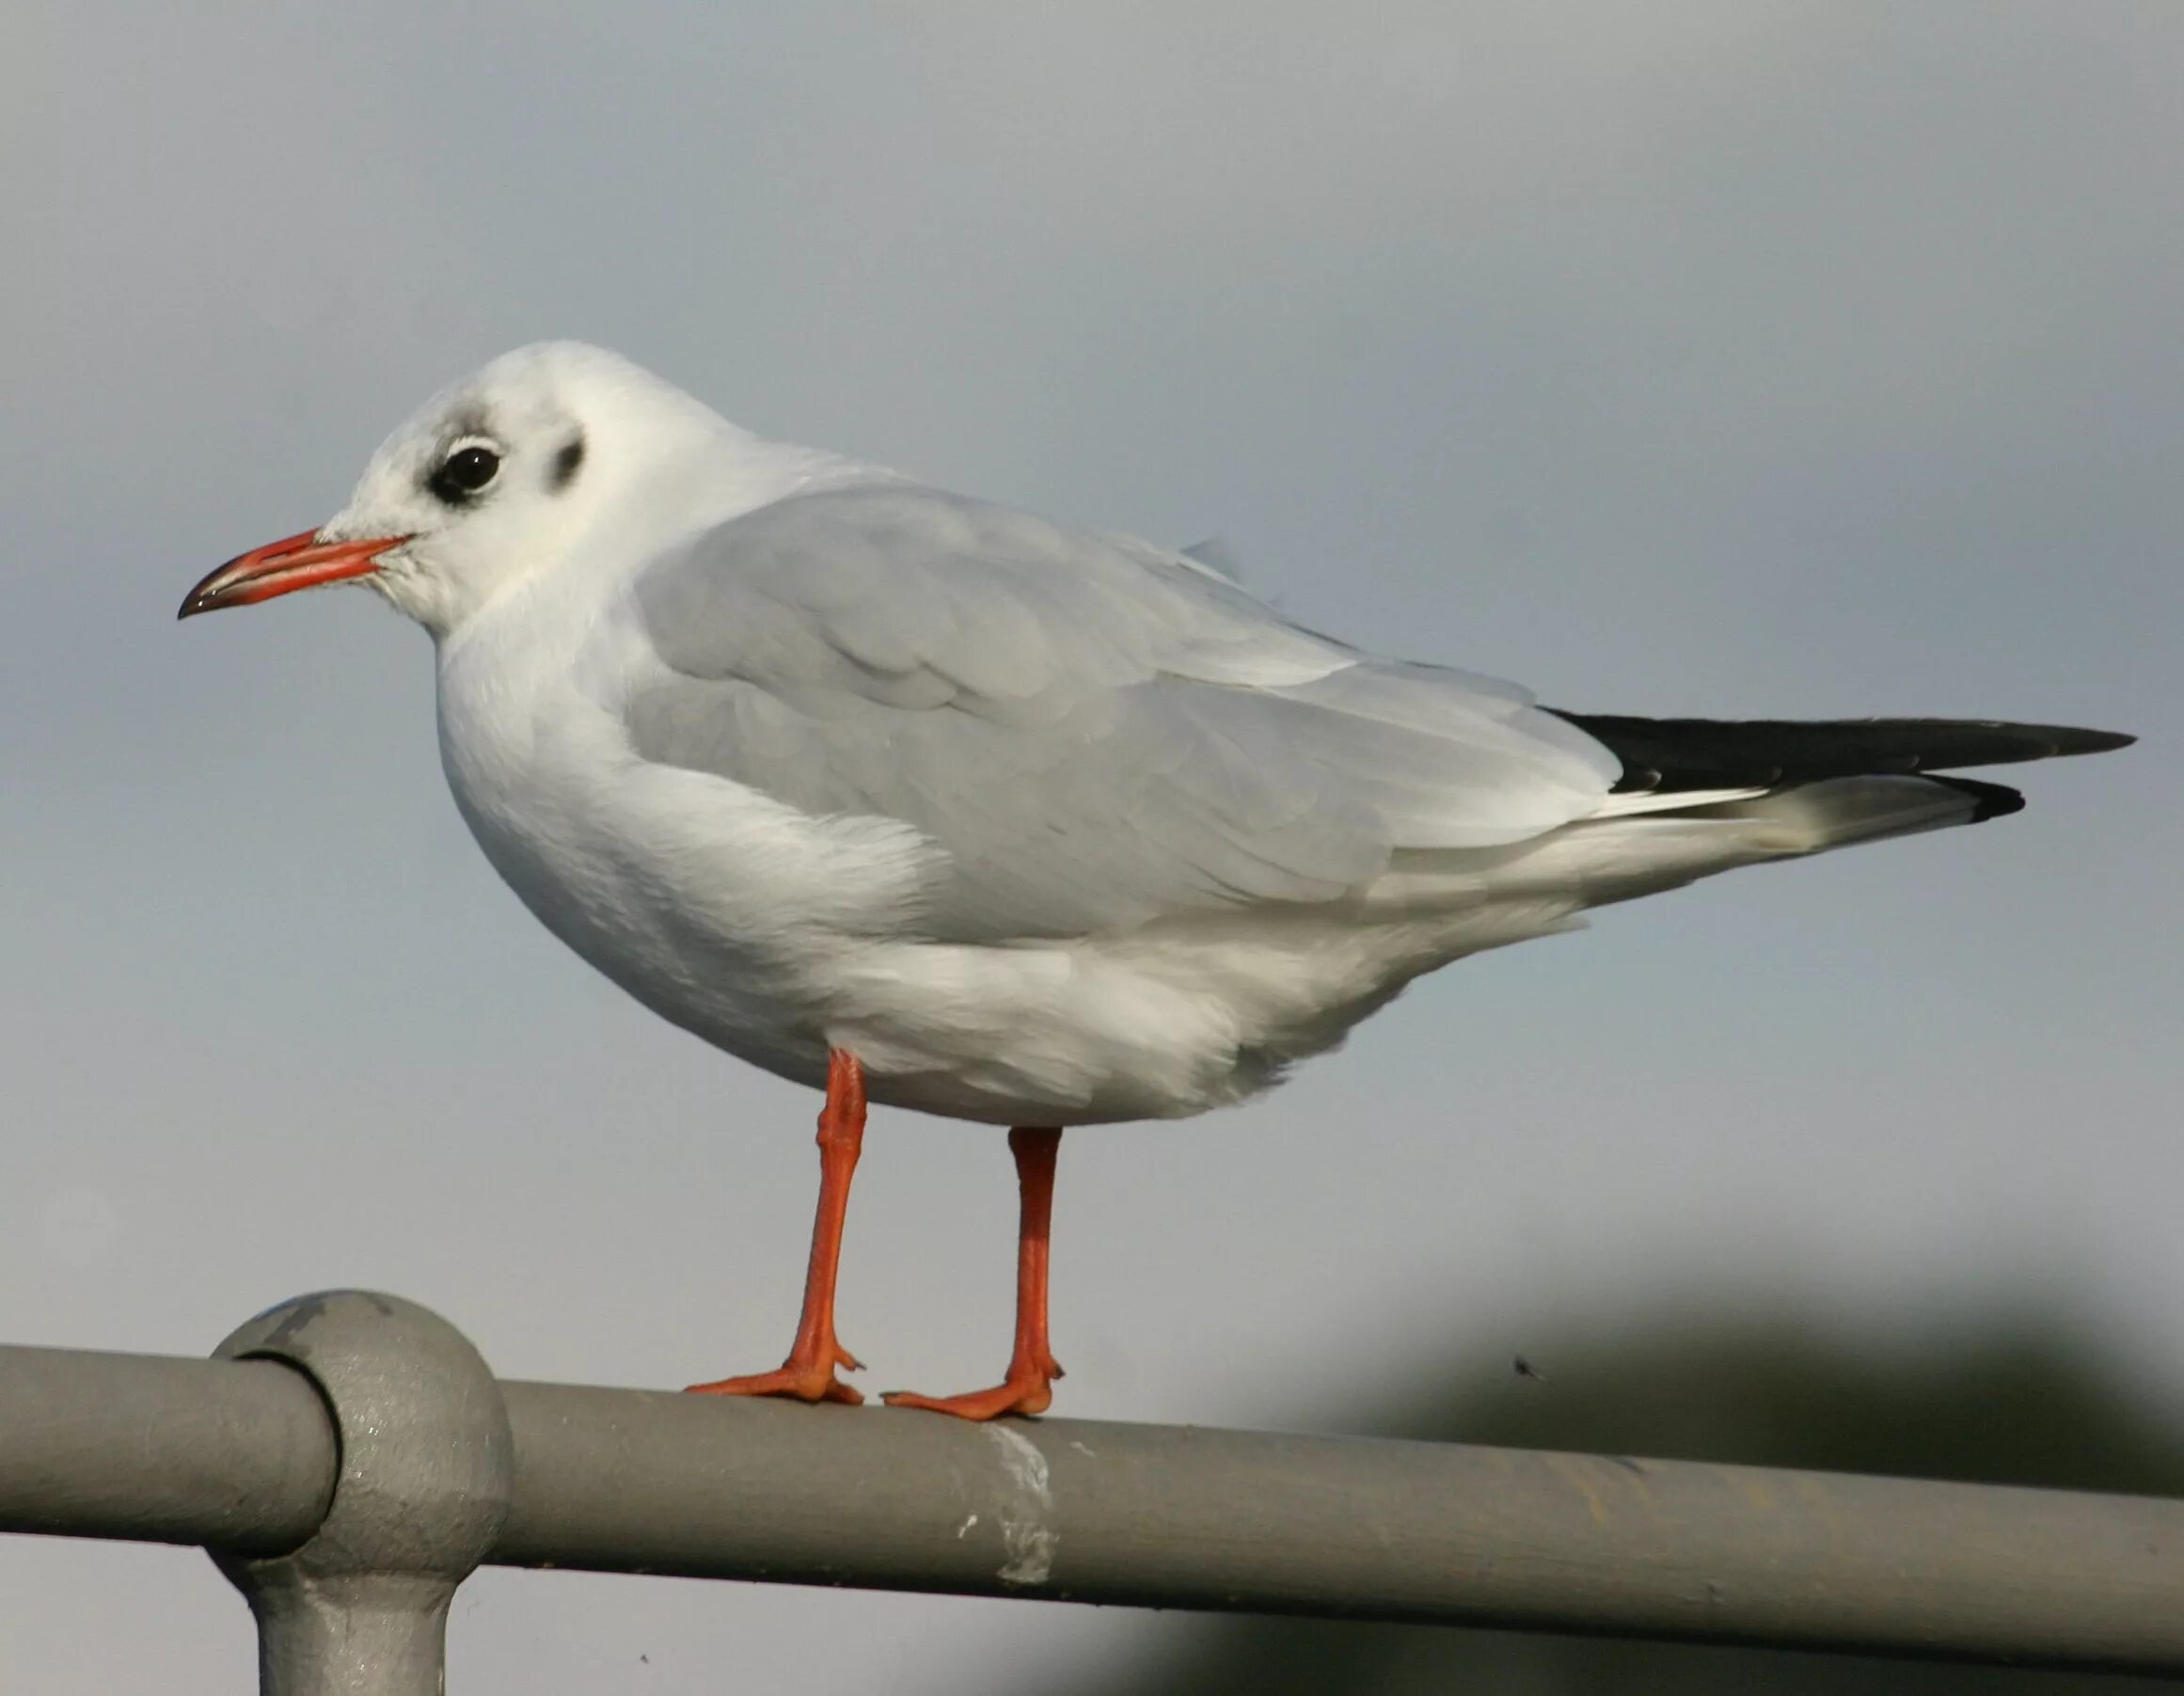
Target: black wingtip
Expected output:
[1666,754]
[1992,800]
[2090,741]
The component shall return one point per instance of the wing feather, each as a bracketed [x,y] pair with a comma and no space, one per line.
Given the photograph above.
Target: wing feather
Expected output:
[1092,733]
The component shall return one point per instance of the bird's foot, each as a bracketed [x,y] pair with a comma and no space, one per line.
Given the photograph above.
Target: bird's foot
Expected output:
[807,1377]
[1028,1389]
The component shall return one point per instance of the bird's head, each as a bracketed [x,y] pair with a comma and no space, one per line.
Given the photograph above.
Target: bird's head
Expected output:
[495,479]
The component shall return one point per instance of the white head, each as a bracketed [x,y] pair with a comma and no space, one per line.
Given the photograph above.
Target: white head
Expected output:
[505,475]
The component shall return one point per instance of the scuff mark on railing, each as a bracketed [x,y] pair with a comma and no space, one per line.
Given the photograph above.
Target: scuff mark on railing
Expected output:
[1026,1533]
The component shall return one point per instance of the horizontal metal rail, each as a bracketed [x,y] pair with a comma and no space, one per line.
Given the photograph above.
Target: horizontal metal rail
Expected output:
[228,1454]
[243,1456]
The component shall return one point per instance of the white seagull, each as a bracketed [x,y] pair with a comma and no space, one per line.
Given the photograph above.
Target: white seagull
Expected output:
[911,797]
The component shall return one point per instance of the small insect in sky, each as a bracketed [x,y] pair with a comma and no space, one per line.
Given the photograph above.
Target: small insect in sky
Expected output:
[1525,1369]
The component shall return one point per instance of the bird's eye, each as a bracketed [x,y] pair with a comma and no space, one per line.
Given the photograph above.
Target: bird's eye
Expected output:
[465,471]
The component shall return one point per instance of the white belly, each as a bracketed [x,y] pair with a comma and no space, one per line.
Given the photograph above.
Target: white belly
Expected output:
[776,936]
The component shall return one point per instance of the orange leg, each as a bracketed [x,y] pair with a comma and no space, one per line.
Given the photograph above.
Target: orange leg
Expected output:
[808,1373]
[1032,1368]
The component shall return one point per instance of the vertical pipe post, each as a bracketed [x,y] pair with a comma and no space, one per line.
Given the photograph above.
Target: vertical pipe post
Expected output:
[426,1463]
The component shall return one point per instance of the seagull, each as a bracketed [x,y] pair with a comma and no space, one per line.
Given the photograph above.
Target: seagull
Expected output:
[928,802]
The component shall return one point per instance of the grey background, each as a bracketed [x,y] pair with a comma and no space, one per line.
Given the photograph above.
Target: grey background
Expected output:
[1731,358]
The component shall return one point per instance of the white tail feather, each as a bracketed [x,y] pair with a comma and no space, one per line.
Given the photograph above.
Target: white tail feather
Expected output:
[1619,858]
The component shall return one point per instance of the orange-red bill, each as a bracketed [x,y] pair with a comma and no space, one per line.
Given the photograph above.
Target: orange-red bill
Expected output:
[296,562]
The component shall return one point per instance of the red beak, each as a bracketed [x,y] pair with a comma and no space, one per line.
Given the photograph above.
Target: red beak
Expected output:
[280,567]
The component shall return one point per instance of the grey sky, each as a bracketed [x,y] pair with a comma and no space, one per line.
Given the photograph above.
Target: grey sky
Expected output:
[1732,358]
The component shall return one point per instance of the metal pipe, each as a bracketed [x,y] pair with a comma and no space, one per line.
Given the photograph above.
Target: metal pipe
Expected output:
[232,1455]
[240,1456]
[1180,1517]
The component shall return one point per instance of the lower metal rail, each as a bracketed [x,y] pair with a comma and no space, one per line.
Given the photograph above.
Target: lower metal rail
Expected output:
[349,1460]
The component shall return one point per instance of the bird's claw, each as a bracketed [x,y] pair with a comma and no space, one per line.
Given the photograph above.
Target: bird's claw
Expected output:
[806,1380]
[1028,1392]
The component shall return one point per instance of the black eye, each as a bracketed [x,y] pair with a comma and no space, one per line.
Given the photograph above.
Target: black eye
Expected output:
[465,471]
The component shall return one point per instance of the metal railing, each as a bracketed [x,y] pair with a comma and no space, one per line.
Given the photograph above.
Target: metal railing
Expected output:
[349,1460]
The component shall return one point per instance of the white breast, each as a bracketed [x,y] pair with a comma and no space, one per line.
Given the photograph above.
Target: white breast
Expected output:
[714,905]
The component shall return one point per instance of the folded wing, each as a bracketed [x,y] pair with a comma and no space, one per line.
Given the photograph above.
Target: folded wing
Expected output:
[1091,732]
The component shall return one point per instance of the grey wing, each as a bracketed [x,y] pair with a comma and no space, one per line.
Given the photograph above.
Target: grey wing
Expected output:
[1094,733]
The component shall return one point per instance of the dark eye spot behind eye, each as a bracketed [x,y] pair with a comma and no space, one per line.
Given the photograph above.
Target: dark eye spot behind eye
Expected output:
[463,473]
[567,462]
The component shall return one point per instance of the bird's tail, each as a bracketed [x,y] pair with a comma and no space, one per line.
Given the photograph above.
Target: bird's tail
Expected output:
[1700,796]
[1621,856]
